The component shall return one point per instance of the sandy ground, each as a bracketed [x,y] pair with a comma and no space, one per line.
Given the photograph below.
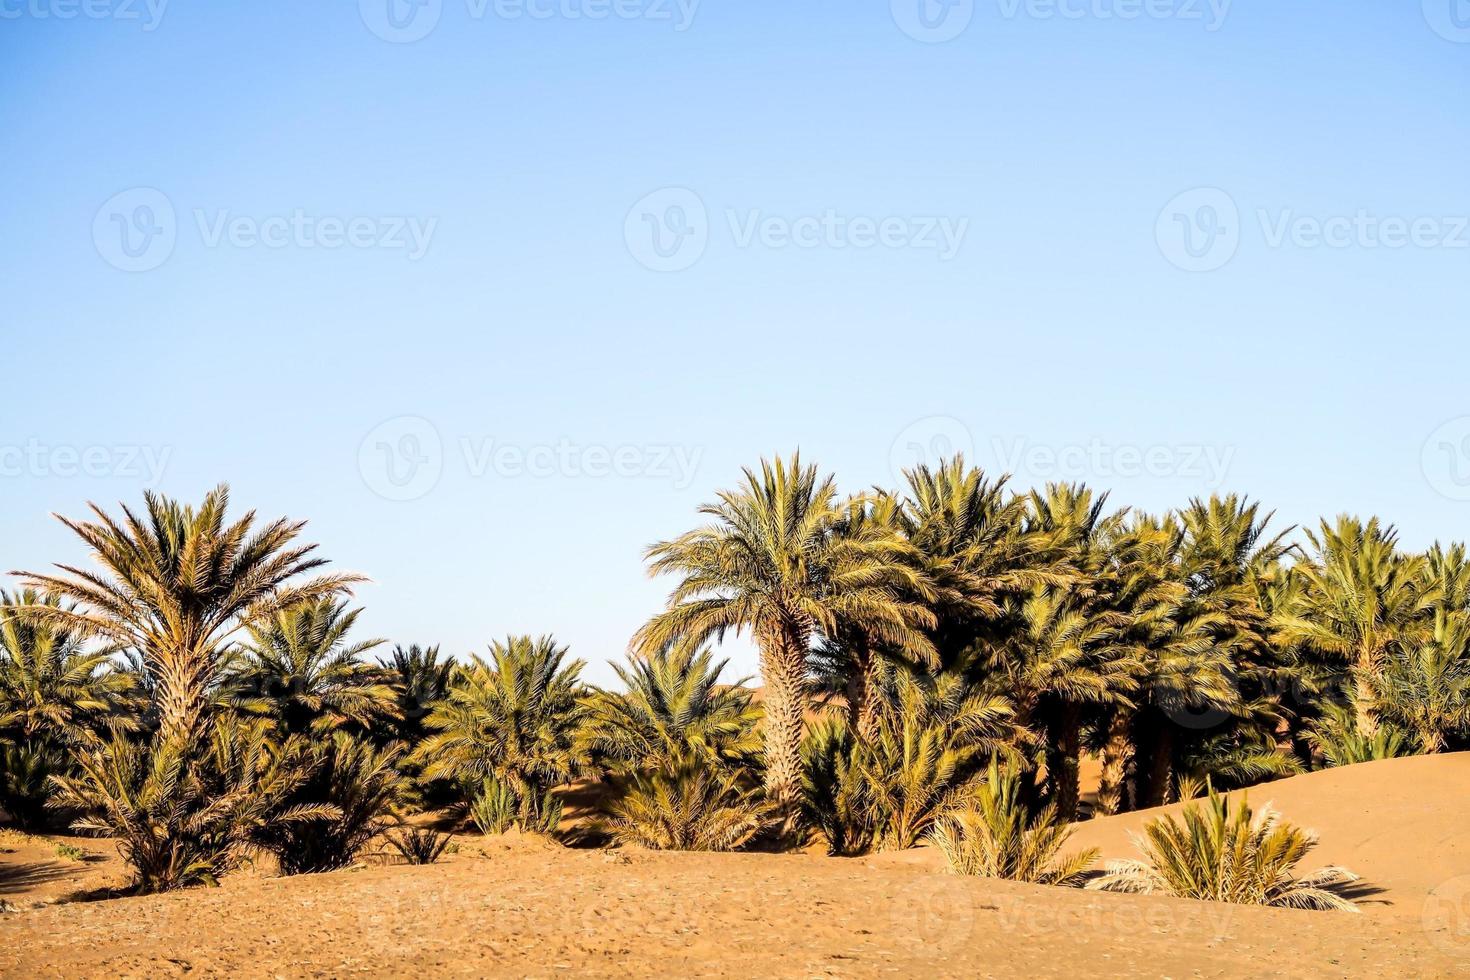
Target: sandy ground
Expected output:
[524,907]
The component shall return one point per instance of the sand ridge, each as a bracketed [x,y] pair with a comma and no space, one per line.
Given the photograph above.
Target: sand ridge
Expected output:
[521,907]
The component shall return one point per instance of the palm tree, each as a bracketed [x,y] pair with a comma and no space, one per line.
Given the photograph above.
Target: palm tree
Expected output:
[185,813]
[420,680]
[997,837]
[675,711]
[55,695]
[928,754]
[1061,659]
[177,583]
[1180,665]
[689,808]
[52,688]
[972,534]
[1426,688]
[772,562]
[856,655]
[516,720]
[1214,853]
[301,669]
[1362,601]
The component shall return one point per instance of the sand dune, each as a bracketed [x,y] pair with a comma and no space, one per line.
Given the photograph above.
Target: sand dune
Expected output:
[513,906]
[1403,824]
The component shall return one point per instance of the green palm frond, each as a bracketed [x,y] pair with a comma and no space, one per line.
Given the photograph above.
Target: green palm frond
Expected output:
[995,836]
[1215,853]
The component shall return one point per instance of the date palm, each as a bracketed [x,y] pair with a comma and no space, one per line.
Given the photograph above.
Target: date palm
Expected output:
[971,532]
[1216,853]
[856,655]
[676,710]
[772,562]
[420,679]
[1361,602]
[1063,659]
[1426,688]
[516,720]
[177,583]
[303,670]
[52,688]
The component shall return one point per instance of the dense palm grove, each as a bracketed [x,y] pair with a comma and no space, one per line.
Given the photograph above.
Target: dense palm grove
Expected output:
[937,661]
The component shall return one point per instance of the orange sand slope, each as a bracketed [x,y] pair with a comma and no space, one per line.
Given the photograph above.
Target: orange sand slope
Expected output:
[521,907]
[1403,824]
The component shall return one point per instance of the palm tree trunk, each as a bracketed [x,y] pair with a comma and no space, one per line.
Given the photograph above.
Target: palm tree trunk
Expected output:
[182,696]
[1117,754]
[783,670]
[1363,701]
[862,687]
[1156,766]
[1062,763]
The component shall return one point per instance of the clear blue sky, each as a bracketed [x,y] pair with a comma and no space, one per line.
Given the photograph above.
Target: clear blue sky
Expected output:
[1060,319]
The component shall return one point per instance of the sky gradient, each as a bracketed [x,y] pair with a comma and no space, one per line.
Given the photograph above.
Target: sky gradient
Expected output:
[496,294]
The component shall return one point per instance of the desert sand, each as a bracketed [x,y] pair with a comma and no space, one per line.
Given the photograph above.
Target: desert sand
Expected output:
[522,906]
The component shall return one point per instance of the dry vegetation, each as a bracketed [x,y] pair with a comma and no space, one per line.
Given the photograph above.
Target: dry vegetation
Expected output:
[940,665]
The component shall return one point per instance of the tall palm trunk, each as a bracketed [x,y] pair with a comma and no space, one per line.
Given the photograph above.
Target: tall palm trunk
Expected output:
[1156,757]
[862,688]
[1363,697]
[1117,754]
[183,692]
[783,669]
[1063,760]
